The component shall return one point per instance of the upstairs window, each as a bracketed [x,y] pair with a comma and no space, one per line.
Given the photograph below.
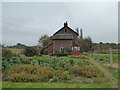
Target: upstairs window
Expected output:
[65,30]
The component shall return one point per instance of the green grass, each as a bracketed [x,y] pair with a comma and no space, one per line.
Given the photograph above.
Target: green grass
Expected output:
[113,71]
[105,57]
[52,85]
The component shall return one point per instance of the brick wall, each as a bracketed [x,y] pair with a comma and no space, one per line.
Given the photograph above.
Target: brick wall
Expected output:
[50,48]
[57,44]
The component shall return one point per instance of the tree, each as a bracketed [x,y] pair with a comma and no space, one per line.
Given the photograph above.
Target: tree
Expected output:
[31,51]
[88,40]
[85,44]
[45,40]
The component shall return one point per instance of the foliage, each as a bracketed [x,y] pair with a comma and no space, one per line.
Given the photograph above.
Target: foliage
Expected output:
[85,44]
[7,53]
[28,73]
[55,78]
[65,75]
[31,51]
[87,71]
[18,45]
[44,40]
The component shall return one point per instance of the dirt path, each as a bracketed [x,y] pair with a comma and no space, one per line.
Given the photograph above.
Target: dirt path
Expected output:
[113,81]
[113,65]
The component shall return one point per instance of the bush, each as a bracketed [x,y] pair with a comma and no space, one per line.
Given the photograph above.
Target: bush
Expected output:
[75,70]
[65,75]
[58,54]
[55,78]
[31,51]
[7,53]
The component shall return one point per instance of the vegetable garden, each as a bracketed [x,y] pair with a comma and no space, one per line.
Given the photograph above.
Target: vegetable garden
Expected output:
[71,69]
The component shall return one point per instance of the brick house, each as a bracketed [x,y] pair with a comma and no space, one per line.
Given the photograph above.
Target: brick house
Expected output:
[63,39]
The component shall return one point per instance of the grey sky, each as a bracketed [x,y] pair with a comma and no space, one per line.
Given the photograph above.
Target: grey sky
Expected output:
[26,22]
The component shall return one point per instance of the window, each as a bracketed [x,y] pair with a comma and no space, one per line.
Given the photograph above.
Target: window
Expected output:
[75,48]
[65,30]
[62,49]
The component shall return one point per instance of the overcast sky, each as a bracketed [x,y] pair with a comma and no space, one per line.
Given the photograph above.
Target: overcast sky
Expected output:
[26,22]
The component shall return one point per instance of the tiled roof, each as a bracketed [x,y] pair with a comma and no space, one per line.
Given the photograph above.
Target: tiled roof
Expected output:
[62,36]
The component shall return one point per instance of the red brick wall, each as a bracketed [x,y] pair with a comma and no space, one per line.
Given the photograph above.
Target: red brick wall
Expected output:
[50,48]
[57,44]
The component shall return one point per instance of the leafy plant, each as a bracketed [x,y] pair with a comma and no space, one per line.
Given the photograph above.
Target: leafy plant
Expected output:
[55,78]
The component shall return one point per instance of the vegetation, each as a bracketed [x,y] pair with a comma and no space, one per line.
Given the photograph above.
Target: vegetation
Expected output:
[52,85]
[105,59]
[44,40]
[49,69]
[31,51]
[85,43]
[6,53]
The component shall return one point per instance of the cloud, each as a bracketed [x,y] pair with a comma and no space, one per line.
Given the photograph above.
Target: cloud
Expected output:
[26,22]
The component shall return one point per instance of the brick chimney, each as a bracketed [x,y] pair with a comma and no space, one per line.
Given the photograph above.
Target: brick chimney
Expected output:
[65,24]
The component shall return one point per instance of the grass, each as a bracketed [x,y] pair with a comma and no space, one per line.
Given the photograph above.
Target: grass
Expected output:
[113,71]
[16,50]
[52,85]
[105,57]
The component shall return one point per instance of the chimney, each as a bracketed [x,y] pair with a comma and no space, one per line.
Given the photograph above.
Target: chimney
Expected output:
[81,33]
[65,24]
[77,30]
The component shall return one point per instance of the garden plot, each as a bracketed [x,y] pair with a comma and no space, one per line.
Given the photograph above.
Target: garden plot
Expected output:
[52,69]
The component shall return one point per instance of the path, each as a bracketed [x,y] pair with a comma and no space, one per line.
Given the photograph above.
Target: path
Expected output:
[113,65]
[113,81]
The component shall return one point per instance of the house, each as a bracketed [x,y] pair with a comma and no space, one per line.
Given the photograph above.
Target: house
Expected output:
[64,39]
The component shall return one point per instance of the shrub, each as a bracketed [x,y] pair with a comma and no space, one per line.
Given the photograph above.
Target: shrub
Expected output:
[75,70]
[55,78]
[72,62]
[31,51]
[7,53]
[68,49]
[65,75]
[59,54]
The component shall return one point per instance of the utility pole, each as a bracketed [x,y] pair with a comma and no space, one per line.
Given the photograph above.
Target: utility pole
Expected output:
[111,61]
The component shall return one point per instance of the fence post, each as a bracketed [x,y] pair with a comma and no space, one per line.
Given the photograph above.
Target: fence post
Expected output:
[111,57]
[98,53]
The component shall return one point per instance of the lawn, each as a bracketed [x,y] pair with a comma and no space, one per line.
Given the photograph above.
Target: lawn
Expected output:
[52,85]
